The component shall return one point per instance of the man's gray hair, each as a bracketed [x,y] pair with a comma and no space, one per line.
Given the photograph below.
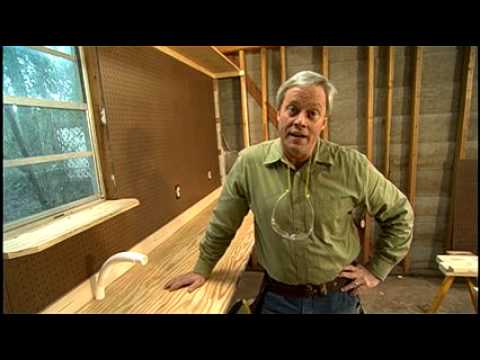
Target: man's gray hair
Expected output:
[307,78]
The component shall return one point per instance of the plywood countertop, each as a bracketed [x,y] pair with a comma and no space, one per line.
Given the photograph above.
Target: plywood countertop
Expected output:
[140,290]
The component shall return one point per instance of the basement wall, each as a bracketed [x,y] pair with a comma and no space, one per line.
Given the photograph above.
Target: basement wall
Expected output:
[439,106]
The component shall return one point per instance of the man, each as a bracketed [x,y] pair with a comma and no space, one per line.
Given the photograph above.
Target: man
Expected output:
[302,191]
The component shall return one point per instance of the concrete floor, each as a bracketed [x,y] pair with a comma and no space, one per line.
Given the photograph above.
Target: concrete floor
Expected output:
[396,295]
[413,294]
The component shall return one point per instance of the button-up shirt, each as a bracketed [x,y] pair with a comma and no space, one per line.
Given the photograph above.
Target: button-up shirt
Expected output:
[341,180]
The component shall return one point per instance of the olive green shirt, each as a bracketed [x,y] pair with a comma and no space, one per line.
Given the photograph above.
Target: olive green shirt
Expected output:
[341,179]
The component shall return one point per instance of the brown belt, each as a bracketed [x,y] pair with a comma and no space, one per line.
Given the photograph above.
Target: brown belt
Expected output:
[305,290]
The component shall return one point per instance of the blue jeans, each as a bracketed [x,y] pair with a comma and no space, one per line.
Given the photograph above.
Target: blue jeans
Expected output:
[332,303]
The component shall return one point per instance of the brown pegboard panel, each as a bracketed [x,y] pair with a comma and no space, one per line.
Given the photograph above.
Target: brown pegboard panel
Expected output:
[162,132]
[7,308]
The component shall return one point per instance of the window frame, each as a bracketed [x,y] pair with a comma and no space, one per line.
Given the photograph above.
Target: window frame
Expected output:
[58,211]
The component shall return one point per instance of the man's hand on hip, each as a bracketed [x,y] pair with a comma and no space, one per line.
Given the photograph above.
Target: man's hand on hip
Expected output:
[191,279]
[361,278]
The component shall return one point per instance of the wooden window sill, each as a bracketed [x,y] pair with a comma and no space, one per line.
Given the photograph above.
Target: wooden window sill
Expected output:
[33,239]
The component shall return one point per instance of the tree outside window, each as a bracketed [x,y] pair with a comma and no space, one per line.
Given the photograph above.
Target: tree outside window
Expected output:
[48,159]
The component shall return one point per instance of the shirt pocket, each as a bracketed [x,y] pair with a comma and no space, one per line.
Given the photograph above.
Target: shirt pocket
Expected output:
[332,206]
[333,217]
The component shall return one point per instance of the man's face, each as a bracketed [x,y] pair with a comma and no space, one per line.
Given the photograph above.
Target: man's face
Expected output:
[301,119]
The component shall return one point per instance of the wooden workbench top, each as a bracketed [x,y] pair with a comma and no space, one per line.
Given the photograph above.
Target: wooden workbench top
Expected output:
[140,290]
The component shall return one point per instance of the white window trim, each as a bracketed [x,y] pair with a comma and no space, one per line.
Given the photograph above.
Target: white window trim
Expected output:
[53,213]
[54,52]
[43,103]
[43,159]
[91,123]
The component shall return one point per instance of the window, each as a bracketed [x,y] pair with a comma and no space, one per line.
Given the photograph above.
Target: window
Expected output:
[49,151]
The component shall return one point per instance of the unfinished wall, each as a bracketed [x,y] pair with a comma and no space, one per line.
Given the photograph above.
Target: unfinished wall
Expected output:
[439,106]
[162,133]
[230,119]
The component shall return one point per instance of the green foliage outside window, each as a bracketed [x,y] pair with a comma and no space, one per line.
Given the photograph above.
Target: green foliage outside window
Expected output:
[37,131]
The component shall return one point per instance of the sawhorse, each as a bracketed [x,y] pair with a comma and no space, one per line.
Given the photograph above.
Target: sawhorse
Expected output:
[456,264]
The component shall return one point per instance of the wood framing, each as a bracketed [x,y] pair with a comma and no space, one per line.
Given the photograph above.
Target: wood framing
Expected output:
[283,64]
[184,59]
[96,104]
[413,153]
[264,80]
[221,152]
[234,49]
[415,113]
[324,62]
[370,98]
[230,64]
[257,96]
[388,109]
[227,74]
[243,89]
[324,70]
[256,93]
[206,59]
[466,102]
[462,132]
[367,240]
[92,117]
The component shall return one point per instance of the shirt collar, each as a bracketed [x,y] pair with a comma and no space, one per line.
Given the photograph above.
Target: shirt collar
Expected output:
[322,153]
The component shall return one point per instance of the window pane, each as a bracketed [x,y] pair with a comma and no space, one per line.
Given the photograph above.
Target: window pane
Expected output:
[64,49]
[31,189]
[32,73]
[32,131]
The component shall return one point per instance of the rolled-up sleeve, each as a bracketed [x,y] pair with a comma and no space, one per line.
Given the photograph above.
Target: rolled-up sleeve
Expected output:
[227,217]
[394,214]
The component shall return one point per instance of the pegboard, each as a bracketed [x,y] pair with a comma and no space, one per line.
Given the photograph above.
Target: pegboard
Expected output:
[162,132]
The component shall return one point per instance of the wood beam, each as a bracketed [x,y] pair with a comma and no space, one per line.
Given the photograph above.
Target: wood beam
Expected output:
[370,97]
[256,93]
[324,70]
[283,64]
[367,240]
[413,157]
[415,111]
[324,65]
[234,49]
[244,95]
[466,102]
[218,125]
[264,80]
[462,132]
[186,60]
[257,96]
[104,153]
[388,111]
[206,59]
